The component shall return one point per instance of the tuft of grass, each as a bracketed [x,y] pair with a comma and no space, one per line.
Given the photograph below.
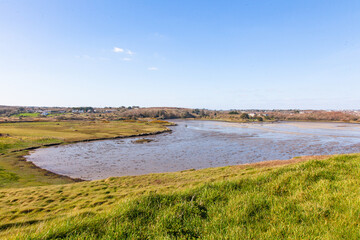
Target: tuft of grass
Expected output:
[143,140]
[7,177]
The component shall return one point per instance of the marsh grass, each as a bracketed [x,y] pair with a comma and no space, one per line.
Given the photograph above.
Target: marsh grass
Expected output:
[143,140]
[26,115]
[315,199]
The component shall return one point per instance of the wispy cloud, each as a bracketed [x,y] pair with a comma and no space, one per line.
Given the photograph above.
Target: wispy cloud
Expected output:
[118,50]
[129,52]
[121,50]
[153,68]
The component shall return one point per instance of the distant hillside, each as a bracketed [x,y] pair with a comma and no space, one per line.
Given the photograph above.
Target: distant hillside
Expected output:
[134,112]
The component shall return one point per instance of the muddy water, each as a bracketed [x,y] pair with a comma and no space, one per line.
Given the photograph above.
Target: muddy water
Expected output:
[198,144]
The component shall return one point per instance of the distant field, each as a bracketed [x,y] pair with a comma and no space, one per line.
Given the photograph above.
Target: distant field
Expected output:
[15,172]
[305,199]
[26,115]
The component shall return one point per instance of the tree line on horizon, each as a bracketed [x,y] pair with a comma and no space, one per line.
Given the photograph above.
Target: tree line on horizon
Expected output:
[136,112]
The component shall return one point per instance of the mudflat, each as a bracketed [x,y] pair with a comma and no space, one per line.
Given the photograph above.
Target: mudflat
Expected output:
[199,144]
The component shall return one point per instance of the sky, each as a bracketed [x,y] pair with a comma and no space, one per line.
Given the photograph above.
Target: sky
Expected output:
[244,54]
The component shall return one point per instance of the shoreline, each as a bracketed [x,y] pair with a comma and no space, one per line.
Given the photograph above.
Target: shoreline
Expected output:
[27,151]
[256,165]
[266,162]
[61,176]
[269,121]
[91,140]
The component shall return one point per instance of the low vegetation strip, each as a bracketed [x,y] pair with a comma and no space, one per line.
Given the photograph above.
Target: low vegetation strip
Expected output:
[17,138]
[312,199]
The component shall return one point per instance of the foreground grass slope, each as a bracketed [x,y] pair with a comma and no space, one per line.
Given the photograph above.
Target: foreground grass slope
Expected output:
[16,137]
[312,199]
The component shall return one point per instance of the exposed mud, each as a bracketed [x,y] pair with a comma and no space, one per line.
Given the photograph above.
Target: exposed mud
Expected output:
[199,144]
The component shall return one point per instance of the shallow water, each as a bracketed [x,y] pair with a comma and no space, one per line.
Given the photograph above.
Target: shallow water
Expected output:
[198,144]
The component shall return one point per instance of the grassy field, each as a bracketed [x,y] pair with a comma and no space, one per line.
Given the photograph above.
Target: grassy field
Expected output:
[26,115]
[15,138]
[303,198]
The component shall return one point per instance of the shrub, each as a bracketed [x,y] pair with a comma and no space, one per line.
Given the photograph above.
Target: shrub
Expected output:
[244,116]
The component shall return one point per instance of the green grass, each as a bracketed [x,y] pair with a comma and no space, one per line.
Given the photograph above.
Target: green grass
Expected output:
[315,199]
[7,177]
[15,137]
[26,115]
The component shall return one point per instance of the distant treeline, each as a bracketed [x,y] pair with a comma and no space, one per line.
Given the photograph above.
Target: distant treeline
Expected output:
[160,113]
[8,113]
[316,116]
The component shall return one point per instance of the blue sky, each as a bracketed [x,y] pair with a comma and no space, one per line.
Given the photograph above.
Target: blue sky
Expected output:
[200,54]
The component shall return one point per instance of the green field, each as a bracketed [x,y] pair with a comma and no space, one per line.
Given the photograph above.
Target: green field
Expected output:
[302,198]
[26,115]
[15,137]
[314,199]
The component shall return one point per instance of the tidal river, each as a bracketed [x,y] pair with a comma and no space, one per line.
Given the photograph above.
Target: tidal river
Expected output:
[198,144]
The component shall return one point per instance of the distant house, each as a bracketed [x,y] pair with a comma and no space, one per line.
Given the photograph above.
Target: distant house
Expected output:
[252,114]
[77,111]
[45,113]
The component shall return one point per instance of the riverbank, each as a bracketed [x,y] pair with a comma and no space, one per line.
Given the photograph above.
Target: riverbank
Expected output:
[17,139]
[236,120]
[313,196]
